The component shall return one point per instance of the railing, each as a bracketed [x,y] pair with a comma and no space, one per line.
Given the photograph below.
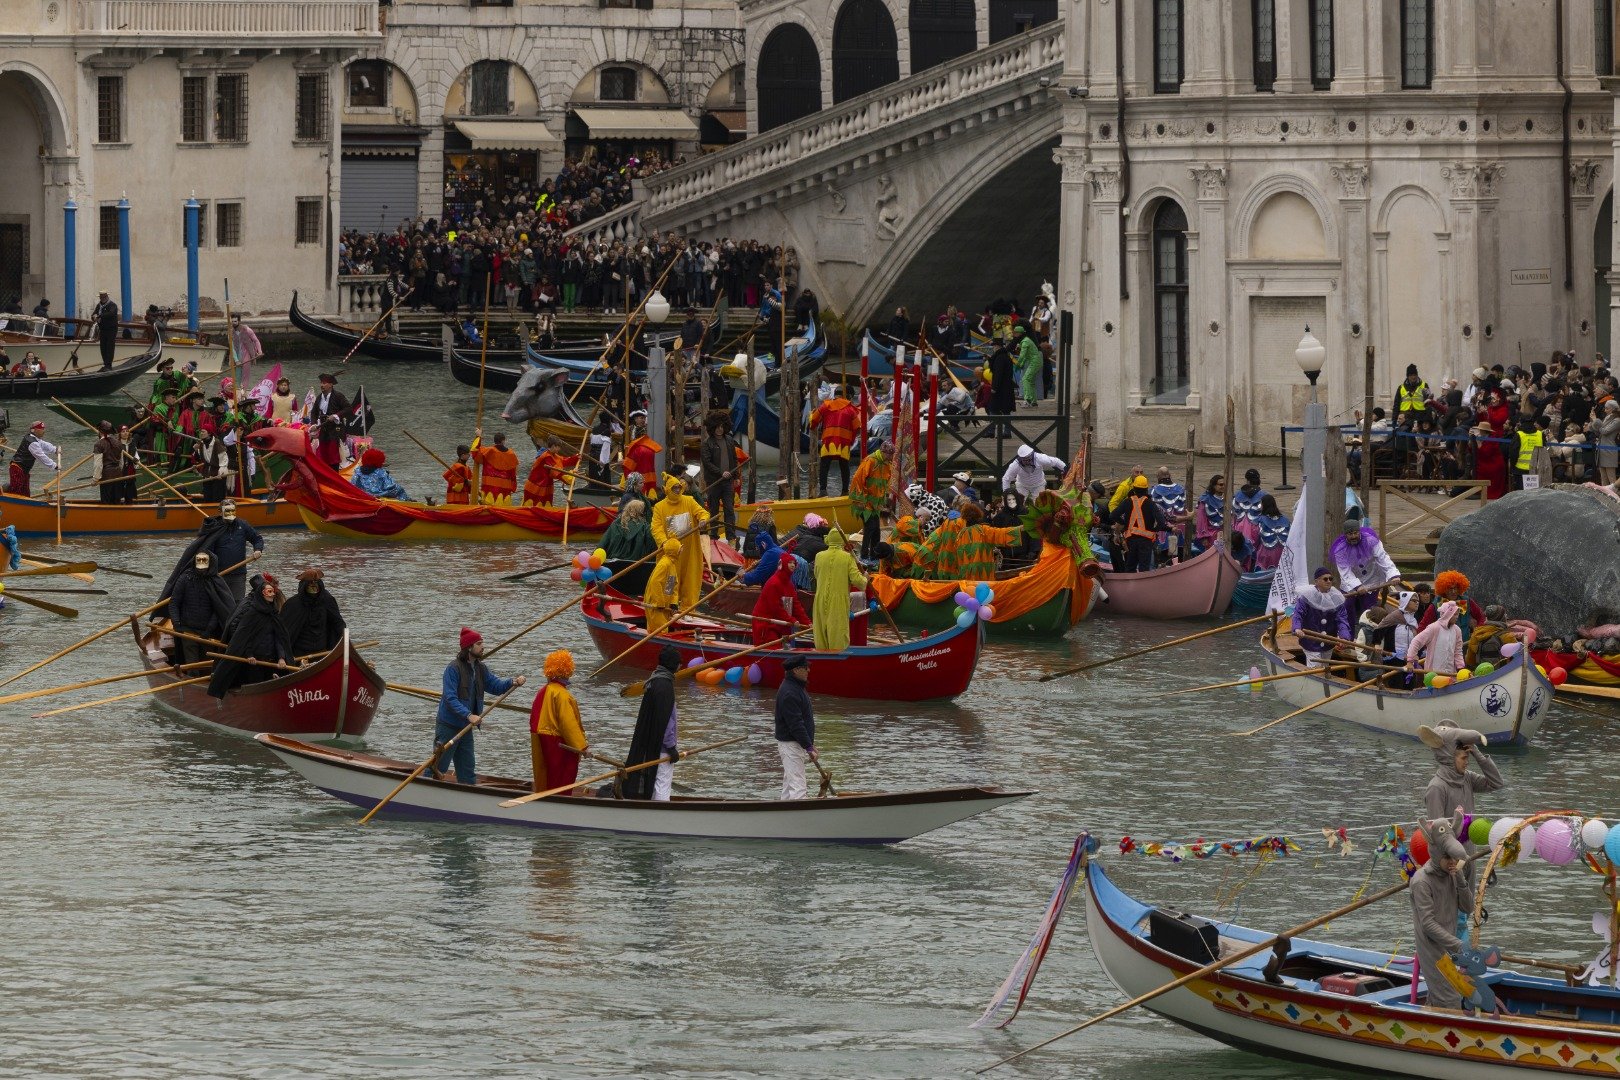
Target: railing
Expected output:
[361,294]
[278,18]
[622,223]
[930,93]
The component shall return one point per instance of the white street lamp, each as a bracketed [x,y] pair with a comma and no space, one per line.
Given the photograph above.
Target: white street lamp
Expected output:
[1310,354]
[657,308]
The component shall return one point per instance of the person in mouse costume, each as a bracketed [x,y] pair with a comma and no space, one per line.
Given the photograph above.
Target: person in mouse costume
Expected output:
[1454,784]
[1440,894]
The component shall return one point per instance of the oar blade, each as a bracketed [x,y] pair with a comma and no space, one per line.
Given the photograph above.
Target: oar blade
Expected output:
[55,609]
[42,571]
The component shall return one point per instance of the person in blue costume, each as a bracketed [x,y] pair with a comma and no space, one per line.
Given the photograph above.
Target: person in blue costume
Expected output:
[372,476]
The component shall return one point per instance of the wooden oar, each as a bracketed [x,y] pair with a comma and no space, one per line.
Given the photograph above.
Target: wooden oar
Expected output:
[98,635]
[433,695]
[139,463]
[636,688]
[56,481]
[1343,643]
[437,751]
[55,609]
[124,697]
[531,573]
[1276,678]
[362,339]
[883,609]
[100,567]
[672,619]
[28,695]
[47,571]
[425,449]
[1346,692]
[681,755]
[65,592]
[826,781]
[1225,961]
[1049,676]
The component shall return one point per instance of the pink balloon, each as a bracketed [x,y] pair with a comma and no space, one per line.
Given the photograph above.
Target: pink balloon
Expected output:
[1511,649]
[1555,842]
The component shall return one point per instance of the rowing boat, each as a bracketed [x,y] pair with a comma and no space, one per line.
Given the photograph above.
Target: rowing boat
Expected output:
[1546,1026]
[1508,705]
[92,381]
[378,347]
[78,351]
[1202,585]
[330,699]
[364,780]
[331,506]
[880,359]
[1253,590]
[37,517]
[1048,599]
[928,669]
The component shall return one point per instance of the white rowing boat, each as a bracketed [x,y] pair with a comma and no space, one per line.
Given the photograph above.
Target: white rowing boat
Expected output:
[364,780]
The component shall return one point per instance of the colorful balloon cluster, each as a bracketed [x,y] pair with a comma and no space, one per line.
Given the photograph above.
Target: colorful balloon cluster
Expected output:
[1248,684]
[975,605]
[738,675]
[590,566]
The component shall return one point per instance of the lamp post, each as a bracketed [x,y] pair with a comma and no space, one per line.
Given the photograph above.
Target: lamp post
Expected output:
[656,311]
[1310,355]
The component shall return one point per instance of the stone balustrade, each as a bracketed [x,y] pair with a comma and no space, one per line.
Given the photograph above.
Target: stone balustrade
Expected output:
[623,223]
[361,294]
[251,19]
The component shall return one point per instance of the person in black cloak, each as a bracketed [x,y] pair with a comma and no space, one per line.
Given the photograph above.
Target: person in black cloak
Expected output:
[254,633]
[1003,383]
[311,617]
[199,604]
[655,732]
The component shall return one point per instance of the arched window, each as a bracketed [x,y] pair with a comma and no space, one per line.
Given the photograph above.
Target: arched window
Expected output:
[617,84]
[941,30]
[788,79]
[1417,44]
[866,53]
[1170,377]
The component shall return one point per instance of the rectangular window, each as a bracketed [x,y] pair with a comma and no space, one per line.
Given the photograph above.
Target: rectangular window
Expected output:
[107,233]
[368,84]
[1265,44]
[109,108]
[1603,37]
[228,224]
[230,108]
[1167,46]
[618,3]
[491,3]
[489,88]
[618,84]
[202,224]
[1321,44]
[194,108]
[1417,44]
[310,119]
[308,227]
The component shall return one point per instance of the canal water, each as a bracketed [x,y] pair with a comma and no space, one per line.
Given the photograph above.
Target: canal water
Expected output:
[179,905]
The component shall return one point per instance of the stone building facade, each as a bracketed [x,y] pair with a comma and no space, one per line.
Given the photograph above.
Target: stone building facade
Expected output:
[512,89]
[1429,178]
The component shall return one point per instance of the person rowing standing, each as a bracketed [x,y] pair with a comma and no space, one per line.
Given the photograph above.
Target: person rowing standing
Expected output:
[795,725]
[461,704]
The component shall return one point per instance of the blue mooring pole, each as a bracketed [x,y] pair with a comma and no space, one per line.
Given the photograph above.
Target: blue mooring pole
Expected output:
[125,293]
[192,209]
[70,261]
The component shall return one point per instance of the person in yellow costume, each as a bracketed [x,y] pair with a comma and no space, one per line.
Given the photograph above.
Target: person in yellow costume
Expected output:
[836,577]
[556,737]
[663,587]
[678,516]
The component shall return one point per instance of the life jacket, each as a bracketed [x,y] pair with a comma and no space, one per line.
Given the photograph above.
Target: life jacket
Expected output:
[1528,442]
[1137,525]
[1411,399]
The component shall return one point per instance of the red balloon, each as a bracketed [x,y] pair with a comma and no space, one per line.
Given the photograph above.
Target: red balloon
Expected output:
[577,574]
[1418,846]
[1557,676]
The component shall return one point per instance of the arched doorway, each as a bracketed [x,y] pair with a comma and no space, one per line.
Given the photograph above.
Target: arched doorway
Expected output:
[941,30]
[1602,247]
[29,121]
[789,76]
[866,53]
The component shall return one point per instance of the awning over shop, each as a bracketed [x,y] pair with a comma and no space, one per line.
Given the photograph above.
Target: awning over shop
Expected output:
[637,123]
[733,120]
[508,134]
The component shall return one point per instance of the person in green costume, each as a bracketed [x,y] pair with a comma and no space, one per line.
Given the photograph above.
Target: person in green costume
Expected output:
[836,577]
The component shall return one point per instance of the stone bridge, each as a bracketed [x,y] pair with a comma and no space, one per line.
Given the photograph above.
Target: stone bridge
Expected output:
[925,192]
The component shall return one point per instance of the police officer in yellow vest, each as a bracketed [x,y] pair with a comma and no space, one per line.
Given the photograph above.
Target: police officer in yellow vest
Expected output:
[1411,398]
[1529,439]
[1142,525]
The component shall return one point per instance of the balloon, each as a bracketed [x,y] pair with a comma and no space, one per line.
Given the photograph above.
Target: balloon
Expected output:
[1594,833]
[970,604]
[987,613]
[1556,842]
[983,593]
[734,676]
[1428,678]
[582,559]
[1527,839]
[1530,636]
[1500,829]
[594,562]
[1611,846]
[1541,671]
[1441,682]
[755,675]
[1464,674]
[694,662]
[600,553]
[1418,845]
[962,598]
[1510,650]
[1557,676]
[712,676]
[577,574]
[1484,667]
[987,373]
[965,619]
[1479,832]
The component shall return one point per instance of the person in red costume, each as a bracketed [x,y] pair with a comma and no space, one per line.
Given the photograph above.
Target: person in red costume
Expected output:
[778,604]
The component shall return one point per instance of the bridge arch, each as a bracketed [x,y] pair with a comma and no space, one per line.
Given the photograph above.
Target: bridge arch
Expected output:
[865,49]
[787,77]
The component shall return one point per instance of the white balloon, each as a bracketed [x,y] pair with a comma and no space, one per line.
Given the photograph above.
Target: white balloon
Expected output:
[1593,833]
[1500,828]
[1527,843]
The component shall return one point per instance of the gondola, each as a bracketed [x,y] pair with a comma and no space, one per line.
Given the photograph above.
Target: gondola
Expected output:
[880,358]
[66,345]
[933,668]
[1203,585]
[376,347]
[1047,600]
[364,780]
[91,382]
[332,699]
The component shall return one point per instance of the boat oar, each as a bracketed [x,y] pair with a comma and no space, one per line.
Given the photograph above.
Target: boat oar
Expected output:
[636,688]
[1278,678]
[826,781]
[433,695]
[1049,676]
[680,755]
[55,609]
[29,695]
[124,697]
[542,570]
[672,619]
[362,339]
[437,751]
[46,571]
[548,616]
[141,464]
[1346,692]
[1343,643]
[425,449]
[97,636]
[1225,961]
[100,567]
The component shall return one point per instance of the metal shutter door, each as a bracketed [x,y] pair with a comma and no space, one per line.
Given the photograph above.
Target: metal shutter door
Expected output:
[370,184]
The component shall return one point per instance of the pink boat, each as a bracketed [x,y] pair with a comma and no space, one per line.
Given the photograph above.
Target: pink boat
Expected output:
[1185,590]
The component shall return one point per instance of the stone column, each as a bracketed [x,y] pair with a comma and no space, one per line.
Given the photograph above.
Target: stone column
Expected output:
[1073,251]
[1473,239]
[1355,231]
[1583,182]
[1108,379]
[1210,361]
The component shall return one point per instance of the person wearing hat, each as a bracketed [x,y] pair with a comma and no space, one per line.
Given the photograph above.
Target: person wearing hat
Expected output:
[1440,898]
[641,452]
[778,609]
[230,539]
[840,593]
[1411,398]
[929,508]
[1142,522]
[662,596]
[167,379]
[656,733]
[461,704]
[1453,784]
[497,470]
[795,724]
[105,316]
[199,605]
[33,448]
[329,401]
[1438,646]
[1477,385]
[253,633]
[1363,564]
[311,615]
[679,517]
[213,461]
[1321,610]
[718,456]
[108,469]
[556,736]
[868,493]
[372,477]
[961,487]
[1170,499]
[1026,474]
[1028,360]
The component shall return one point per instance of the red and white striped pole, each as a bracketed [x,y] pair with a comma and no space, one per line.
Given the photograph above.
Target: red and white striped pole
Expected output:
[933,420]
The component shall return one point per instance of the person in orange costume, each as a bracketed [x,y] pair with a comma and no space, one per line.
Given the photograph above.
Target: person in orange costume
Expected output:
[540,488]
[778,604]
[641,452]
[497,470]
[839,422]
[458,479]
[556,738]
